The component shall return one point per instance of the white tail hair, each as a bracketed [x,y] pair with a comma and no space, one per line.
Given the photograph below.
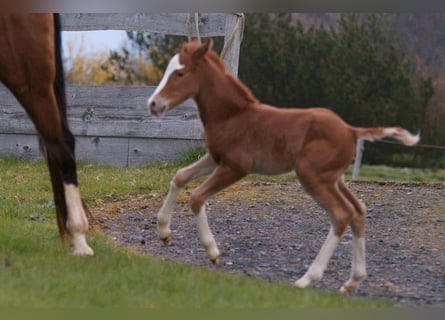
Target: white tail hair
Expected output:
[402,135]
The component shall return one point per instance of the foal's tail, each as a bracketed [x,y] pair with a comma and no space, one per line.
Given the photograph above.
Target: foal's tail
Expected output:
[397,133]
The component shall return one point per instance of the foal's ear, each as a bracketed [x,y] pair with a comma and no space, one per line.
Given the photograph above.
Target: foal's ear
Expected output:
[202,50]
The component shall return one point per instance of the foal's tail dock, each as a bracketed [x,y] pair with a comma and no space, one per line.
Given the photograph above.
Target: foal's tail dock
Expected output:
[397,133]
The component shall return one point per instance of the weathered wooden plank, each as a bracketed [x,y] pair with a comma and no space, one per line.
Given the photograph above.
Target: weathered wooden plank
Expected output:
[20,146]
[119,151]
[130,101]
[142,151]
[112,151]
[146,128]
[17,125]
[107,101]
[104,150]
[108,111]
[210,24]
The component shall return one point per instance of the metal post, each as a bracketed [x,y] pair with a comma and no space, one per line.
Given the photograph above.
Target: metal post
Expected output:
[358,159]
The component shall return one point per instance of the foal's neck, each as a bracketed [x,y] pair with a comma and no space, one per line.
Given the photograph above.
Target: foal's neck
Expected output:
[221,95]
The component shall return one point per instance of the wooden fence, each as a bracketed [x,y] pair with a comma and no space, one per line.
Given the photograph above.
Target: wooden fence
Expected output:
[112,124]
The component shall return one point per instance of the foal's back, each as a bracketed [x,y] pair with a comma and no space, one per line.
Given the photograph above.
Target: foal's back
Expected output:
[279,137]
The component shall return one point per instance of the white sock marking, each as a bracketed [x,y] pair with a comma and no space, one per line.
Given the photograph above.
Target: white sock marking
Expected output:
[358,257]
[166,211]
[316,270]
[358,268]
[77,222]
[205,235]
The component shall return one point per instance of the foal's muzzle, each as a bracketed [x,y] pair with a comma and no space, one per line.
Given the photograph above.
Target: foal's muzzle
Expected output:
[157,106]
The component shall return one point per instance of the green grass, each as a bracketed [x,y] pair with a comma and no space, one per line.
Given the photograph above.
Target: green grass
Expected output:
[37,271]
[384,173]
[40,274]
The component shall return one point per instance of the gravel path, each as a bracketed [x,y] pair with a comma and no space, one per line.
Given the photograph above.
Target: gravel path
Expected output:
[273,231]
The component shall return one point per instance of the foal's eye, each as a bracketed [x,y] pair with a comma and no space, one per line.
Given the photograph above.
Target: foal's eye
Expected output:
[179,74]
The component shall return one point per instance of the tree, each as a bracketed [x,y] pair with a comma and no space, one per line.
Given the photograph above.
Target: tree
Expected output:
[84,68]
[113,68]
[145,60]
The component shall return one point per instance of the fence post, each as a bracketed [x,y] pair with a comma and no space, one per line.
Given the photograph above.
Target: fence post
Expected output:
[232,42]
[358,159]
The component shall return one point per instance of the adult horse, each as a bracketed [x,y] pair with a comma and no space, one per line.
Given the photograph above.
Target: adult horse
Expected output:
[31,68]
[243,135]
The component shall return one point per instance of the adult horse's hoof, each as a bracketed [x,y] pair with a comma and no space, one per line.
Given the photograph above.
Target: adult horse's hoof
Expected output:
[82,251]
[79,246]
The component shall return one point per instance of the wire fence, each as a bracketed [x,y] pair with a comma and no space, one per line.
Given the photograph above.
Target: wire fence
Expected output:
[419,145]
[396,154]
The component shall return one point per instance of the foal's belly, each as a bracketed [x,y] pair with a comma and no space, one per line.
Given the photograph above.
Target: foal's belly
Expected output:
[271,166]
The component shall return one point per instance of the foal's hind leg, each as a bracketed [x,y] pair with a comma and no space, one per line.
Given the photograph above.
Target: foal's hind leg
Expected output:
[358,268]
[202,167]
[340,210]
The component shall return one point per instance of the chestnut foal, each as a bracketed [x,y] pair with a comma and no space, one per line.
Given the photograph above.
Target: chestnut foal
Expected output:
[243,136]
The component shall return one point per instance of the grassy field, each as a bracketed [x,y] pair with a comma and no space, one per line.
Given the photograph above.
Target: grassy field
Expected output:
[37,271]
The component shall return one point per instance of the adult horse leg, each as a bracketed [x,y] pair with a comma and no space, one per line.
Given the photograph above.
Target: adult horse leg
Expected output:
[62,165]
[31,67]
[222,177]
[59,145]
[358,268]
[340,210]
[202,167]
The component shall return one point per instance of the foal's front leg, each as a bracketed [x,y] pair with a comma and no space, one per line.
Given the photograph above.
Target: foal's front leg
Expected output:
[222,177]
[202,167]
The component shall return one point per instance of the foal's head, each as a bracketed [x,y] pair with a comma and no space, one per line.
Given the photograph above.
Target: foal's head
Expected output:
[180,80]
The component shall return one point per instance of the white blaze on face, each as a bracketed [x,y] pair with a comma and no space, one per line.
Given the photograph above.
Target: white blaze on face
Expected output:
[173,65]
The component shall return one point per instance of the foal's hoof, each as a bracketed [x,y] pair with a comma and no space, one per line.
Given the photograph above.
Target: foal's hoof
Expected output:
[302,283]
[352,284]
[347,289]
[166,240]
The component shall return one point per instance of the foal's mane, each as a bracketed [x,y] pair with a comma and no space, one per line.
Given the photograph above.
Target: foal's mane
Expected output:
[242,90]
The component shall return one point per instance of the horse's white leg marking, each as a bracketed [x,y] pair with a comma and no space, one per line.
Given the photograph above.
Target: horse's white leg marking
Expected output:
[206,237]
[202,167]
[166,211]
[316,270]
[77,222]
[358,269]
